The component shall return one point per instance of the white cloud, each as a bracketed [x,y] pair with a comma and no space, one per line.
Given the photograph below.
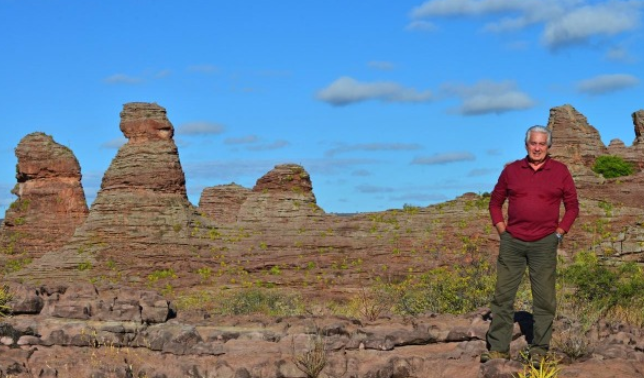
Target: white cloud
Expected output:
[242,140]
[467,7]
[374,147]
[619,54]
[422,26]
[580,24]
[481,172]
[607,83]
[270,146]
[162,74]
[361,173]
[373,189]
[200,128]
[444,158]
[420,197]
[115,143]
[122,79]
[489,97]
[233,170]
[346,90]
[565,22]
[380,65]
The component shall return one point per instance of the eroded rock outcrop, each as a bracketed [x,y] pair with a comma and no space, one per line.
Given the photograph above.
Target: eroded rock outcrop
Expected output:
[222,202]
[285,194]
[578,144]
[575,142]
[638,122]
[610,223]
[141,211]
[635,152]
[51,202]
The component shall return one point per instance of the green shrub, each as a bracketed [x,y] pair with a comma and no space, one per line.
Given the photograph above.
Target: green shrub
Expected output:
[160,275]
[608,290]
[269,302]
[453,290]
[611,166]
[15,265]
[5,297]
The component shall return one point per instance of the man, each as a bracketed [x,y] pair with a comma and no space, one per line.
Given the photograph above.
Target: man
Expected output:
[535,187]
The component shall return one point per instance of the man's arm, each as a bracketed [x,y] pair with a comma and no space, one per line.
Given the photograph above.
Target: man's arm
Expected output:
[571,205]
[497,198]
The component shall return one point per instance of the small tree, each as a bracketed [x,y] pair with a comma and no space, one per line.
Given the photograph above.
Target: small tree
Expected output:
[611,166]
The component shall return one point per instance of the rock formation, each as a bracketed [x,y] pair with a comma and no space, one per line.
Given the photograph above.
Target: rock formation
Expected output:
[638,122]
[610,223]
[141,209]
[634,153]
[578,144]
[51,202]
[284,194]
[575,142]
[221,203]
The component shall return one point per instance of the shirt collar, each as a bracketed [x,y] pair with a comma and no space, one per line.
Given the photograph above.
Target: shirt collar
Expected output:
[546,164]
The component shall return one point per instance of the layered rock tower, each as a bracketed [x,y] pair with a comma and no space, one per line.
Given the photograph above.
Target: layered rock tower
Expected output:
[141,210]
[222,202]
[51,201]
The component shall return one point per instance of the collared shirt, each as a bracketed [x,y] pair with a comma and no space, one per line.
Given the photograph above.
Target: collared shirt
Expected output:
[534,199]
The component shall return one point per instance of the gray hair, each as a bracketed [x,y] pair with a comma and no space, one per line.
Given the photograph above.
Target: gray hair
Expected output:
[538,129]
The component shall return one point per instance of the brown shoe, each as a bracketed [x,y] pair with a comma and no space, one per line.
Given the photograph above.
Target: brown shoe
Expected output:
[492,355]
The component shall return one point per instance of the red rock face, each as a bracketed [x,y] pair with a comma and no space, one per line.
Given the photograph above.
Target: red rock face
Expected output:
[286,178]
[575,142]
[221,203]
[142,122]
[285,194]
[578,144]
[149,160]
[638,122]
[142,206]
[51,202]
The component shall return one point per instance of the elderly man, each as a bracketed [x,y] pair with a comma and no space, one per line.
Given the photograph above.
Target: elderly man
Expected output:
[535,187]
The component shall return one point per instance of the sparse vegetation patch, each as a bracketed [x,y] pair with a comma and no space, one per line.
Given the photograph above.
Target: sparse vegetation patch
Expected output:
[611,166]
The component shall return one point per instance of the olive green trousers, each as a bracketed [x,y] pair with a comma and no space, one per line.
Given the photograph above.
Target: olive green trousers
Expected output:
[541,259]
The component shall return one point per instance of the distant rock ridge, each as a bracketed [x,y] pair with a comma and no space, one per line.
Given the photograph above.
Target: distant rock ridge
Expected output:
[283,194]
[51,201]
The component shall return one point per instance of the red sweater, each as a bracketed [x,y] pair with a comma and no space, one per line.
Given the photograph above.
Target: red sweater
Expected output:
[534,199]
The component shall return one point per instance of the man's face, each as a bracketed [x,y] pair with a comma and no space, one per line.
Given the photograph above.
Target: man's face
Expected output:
[537,147]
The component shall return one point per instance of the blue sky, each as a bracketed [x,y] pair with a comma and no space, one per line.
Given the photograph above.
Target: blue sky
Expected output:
[384,103]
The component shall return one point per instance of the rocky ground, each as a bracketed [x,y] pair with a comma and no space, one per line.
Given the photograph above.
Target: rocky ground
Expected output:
[82,332]
[96,292]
